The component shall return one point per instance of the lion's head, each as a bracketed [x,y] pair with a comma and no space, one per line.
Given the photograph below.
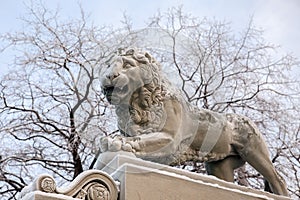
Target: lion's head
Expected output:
[131,81]
[127,72]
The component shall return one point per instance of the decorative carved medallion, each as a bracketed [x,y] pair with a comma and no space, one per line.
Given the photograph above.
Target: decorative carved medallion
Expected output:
[94,191]
[48,185]
[98,192]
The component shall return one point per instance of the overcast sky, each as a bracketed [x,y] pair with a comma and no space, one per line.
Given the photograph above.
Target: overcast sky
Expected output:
[279,18]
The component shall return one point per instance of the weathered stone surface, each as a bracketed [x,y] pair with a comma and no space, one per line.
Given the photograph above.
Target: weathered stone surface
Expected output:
[38,195]
[142,180]
[89,185]
[159,125]
[105,158]
[145,180]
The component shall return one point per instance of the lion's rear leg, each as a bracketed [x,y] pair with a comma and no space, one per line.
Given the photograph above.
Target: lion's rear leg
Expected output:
[255,152]
[224,169]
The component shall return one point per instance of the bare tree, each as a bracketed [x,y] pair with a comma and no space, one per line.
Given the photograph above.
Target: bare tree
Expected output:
[225,72]
[52,111]
[50,101]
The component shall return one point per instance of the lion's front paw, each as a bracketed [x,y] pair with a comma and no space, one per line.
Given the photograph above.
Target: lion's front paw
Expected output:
[110,144]
[127,147]
[115,145]
[134,145]
[104,144]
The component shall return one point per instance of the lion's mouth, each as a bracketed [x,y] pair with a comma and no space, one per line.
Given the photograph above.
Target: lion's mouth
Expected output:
[113,91]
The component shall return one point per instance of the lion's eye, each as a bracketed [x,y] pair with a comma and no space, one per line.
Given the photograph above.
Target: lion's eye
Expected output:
[127,66]
[108,66]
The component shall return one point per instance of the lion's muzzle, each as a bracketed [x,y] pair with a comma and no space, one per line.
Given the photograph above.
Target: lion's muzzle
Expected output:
[112,92]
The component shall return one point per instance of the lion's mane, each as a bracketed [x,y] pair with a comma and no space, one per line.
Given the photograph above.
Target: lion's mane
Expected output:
[146,111]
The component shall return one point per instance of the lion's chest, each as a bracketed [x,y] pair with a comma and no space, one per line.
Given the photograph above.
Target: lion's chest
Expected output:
[133,122]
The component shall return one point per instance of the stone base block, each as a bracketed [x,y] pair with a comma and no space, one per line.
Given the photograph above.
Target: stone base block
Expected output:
[129,178]
[38,195]
[146,180]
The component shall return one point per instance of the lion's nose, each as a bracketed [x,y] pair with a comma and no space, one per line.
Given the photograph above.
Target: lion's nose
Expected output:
[112,76]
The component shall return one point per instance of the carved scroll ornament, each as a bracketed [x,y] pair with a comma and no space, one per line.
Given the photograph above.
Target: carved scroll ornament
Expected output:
[89,185]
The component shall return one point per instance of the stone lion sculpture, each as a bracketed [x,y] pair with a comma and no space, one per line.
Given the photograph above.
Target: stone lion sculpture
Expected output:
[157,123]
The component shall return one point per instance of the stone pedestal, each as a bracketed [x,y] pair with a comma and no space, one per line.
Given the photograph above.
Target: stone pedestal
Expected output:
[145,180]
[129,178]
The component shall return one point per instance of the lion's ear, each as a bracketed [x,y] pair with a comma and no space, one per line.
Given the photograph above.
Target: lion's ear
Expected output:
[130,51]
[149,57]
